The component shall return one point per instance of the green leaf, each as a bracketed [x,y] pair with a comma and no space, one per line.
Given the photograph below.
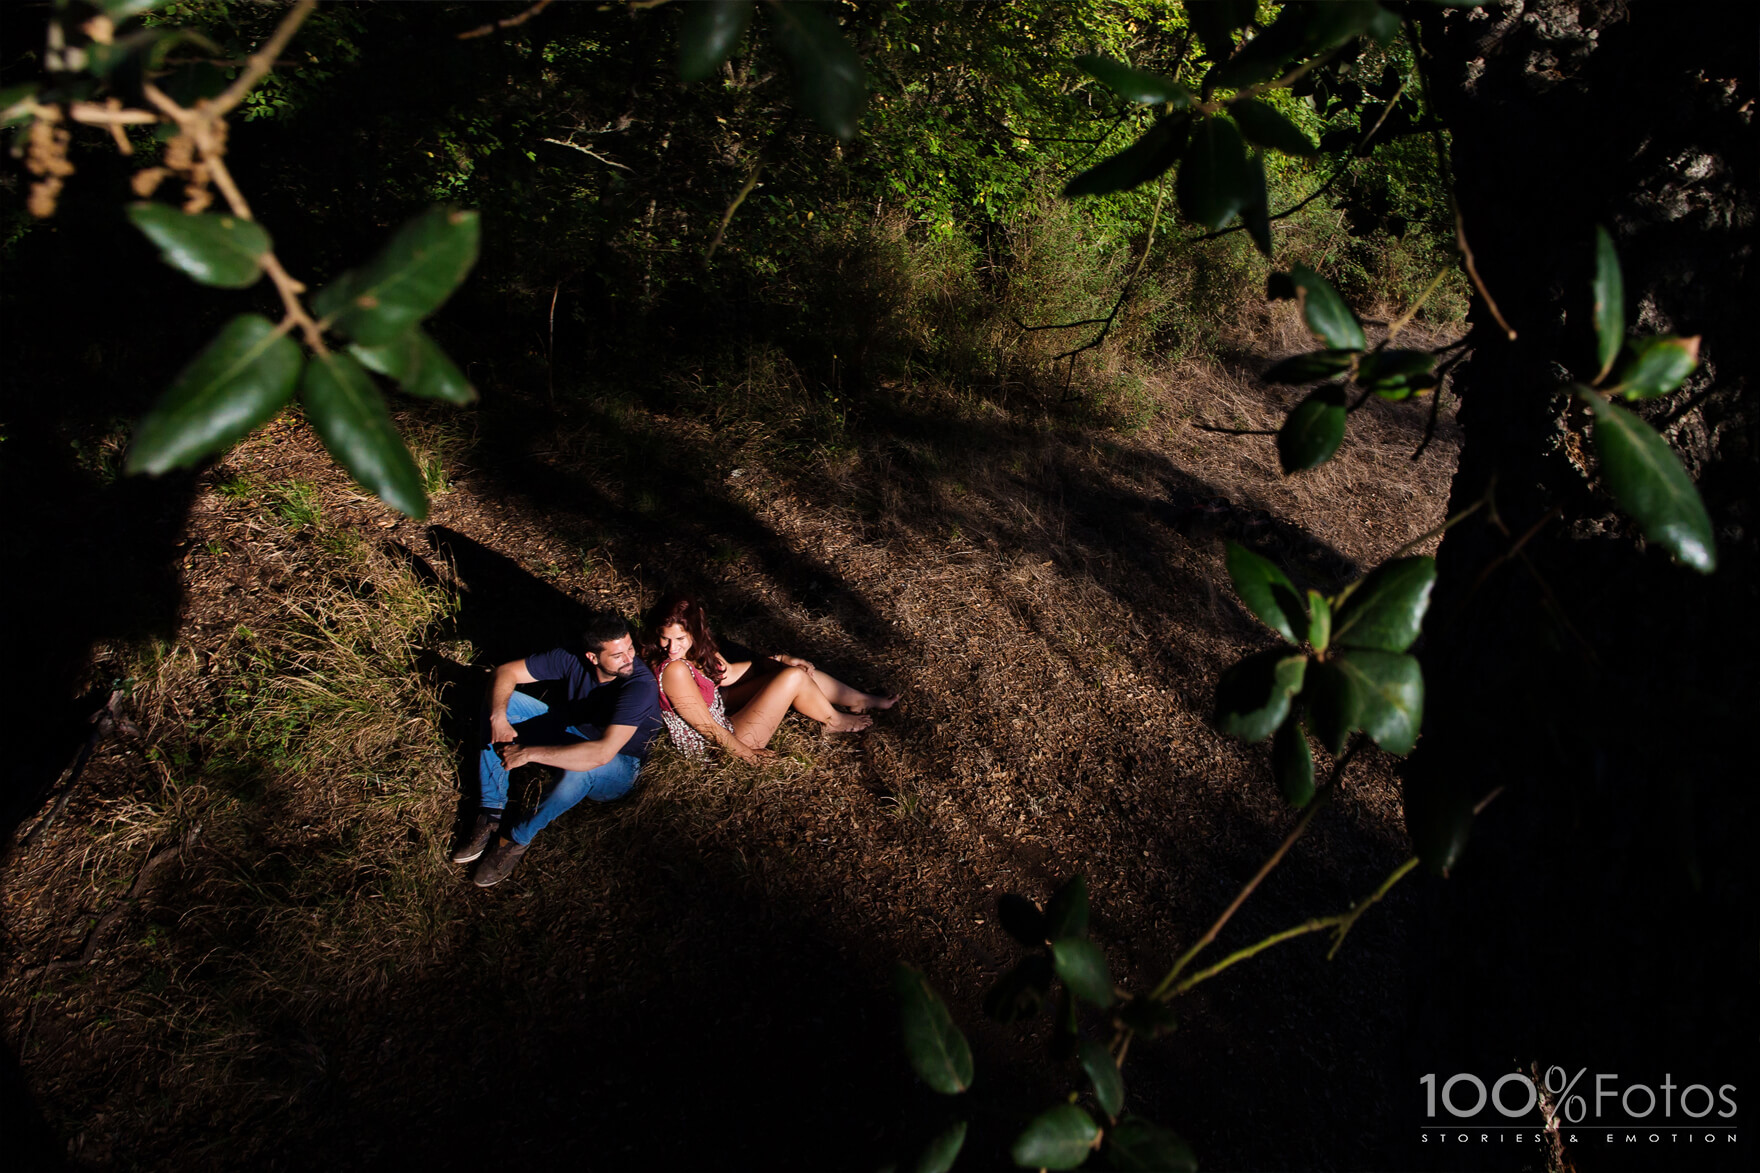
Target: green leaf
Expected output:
[1386,610]
[350,417]
[1313,430]
[213,249]
[1263,57]
[1137,1145]
[1656,366]
[1149,1017]
[1310,367]
[1133,85]
[1138,163]
[1647,481]
[1292,764]
[1065,1029]
[1215,181]
[1059,1139]
[104,60]
[1256,216]
[829,84]
[412,276]
[1439,816]
[1215,21]
[1389,689]
[708,32]
[1337,21]
[1319,621]
[1384,26]
[1021,919]
[1610,303]
[1394,368]
[1324,310]
[1253,696]
[1082,966]
[1066,913]
[937,1049]
[1267,592]
[1018,994]
[1333,704]
[123,9]
[1300,30]
[1265,126]
[237,383]
[419,366]
[939,1155]
[1103,1075]
[17,104]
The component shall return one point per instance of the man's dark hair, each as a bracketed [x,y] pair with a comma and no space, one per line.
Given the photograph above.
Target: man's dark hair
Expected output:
[601,628]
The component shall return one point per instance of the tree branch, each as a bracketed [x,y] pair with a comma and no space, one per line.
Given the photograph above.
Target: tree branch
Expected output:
[585,151]
[1161,991]
[259,63]
[510,22]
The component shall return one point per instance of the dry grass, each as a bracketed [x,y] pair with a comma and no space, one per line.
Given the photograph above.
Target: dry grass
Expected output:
[1045,590]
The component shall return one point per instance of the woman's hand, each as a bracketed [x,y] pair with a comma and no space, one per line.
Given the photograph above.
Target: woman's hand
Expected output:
[795,662]
[750,756]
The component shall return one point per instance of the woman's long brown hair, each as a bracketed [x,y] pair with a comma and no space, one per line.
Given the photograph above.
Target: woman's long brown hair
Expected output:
[688,614]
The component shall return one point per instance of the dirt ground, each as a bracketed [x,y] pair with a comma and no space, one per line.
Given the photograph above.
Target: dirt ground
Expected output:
[700,975]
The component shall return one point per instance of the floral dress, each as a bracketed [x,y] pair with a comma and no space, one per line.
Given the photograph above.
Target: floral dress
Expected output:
[687,739]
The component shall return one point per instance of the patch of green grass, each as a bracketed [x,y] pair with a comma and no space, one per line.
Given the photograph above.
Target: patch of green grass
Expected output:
[293,503]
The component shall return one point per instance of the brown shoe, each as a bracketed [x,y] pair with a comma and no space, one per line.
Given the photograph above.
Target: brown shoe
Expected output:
[477,840]
[499,863]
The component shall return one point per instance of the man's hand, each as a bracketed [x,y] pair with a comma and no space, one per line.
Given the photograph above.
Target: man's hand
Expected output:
[500,729]
[513,756]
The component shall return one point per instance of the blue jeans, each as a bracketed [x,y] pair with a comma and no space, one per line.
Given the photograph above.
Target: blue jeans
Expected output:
[536,725]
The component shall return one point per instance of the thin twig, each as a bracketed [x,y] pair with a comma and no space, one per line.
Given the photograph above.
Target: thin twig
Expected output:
[1257,947]
[594,154]
[102,926]
[1287,212]
[1125,292]
[744,191]
[1430,423]
[1204,427]
[98,114]
[1460,227]
[259,63]
[1296,832]
[1438,531]
[1348,920]
[200,125]
[1057,325]
[1404,319]
[510,22]
[103,721]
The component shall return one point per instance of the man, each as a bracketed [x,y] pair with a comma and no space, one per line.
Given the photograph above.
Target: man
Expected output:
[598,738]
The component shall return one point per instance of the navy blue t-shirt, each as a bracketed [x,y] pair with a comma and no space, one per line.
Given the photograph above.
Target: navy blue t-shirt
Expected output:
[591,706]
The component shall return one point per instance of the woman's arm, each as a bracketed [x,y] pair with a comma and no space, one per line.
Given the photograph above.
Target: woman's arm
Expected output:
[681,690]
[731,671]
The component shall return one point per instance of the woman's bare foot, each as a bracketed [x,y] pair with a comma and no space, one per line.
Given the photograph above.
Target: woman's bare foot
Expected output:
[847,723]
[874,703]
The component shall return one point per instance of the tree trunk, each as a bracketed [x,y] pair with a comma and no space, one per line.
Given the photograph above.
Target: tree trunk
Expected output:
[1603,914]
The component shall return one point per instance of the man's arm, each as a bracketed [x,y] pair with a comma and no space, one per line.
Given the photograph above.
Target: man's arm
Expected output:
[500,689]
[582,755]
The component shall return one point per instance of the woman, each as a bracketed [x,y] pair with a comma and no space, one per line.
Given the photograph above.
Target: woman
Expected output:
[738,705]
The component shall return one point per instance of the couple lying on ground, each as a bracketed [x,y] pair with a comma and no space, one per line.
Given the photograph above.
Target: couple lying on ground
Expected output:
[615,703]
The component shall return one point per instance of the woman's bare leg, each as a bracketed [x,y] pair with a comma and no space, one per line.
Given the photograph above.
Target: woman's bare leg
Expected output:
[756,721]
[839,693]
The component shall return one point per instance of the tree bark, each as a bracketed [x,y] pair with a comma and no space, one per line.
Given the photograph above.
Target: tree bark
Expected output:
[1603,914]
